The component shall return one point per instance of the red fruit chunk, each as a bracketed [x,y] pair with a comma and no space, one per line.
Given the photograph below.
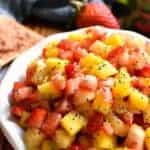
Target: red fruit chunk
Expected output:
[51,123]
[95,123]
[37,118]
[17,111]
[70,70]
[18,85]
[145,71]
[67,44]
[76,147]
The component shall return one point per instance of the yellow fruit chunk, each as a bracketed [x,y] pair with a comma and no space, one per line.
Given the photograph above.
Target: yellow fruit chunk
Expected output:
[33,139]
[147,138]
[51,52]
[63,139]
[138,101]
[23,119]
[48,145]
[104,141]
[101,104]
[122,85]
[100,48]
[73,122]
[79,36]
[146,114]
[48,90]
[56,64]
[115,40]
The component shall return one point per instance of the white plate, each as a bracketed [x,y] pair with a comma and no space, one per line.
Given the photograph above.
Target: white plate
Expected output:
[17,71]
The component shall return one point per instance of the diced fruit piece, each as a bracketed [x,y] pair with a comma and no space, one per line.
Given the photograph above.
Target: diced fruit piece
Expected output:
[51,123]
[122,85]
[100,48]
[107,128]
[76,146]
[89,82]
[17,111]
[48,90]
[70,70]
[79,53]
[145,71]
[115,40]
[104,141]
[18,85]
[138,101]
[33,138]
[103,70]
[89,61]
[147,138]
[73,123]
[83,96]
[119,127]
[103,100]
[63,139]
[95,123]
[37,118]
[56,64]
[146,115]
[23,119]
[135,138]
[48,145]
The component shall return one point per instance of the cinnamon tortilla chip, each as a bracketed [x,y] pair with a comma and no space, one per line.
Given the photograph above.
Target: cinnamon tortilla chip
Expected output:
[14,39]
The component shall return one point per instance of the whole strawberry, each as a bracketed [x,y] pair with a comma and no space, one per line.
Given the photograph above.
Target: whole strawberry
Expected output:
[96,13]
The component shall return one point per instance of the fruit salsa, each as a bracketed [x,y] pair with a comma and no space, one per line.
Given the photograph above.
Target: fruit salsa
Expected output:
[88,91]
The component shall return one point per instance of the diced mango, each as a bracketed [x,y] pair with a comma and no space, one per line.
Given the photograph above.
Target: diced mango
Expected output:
[89,60]
[115,40]
[51,52]
[33,139]
[73,122]
[147,138]
[79,36]
[122,85]
[100,48]
[103,70]
[104,141]
[48,90]
[48,145]
[101,104]
[63,139]
[137,100]
[56,64]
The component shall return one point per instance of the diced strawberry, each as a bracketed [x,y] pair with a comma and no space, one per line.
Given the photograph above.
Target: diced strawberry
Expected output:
[76,146]
[29,73]
[21,94]
[67,44]
[33,97]
[51,123]
[17,111]
[145,71]
[18,85]
[70,70]
[114,55]
[95,123]
[37,118]
[66,54]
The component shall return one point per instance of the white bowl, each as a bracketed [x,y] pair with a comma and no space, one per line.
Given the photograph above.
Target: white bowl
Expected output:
[17,71]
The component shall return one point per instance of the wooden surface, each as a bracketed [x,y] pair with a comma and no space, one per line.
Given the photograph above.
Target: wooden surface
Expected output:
[45,30]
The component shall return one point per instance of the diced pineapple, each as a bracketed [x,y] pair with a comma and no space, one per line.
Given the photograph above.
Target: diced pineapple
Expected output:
[147,138]
[56,64]
[122,85]
[101,104]
[100,48]
[137,100]
[115,40]
[89,61]
[104,141]
[51,52]
[78,36]
[103,70]
[73,123]
[33,139]
[48,90]
[62,139]
[48,145]
[146,115]
[23,119]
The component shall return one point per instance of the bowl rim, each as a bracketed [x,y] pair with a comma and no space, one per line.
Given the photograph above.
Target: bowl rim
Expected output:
[6,124]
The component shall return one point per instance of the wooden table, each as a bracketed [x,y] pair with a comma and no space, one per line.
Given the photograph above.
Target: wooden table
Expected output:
[45,30]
